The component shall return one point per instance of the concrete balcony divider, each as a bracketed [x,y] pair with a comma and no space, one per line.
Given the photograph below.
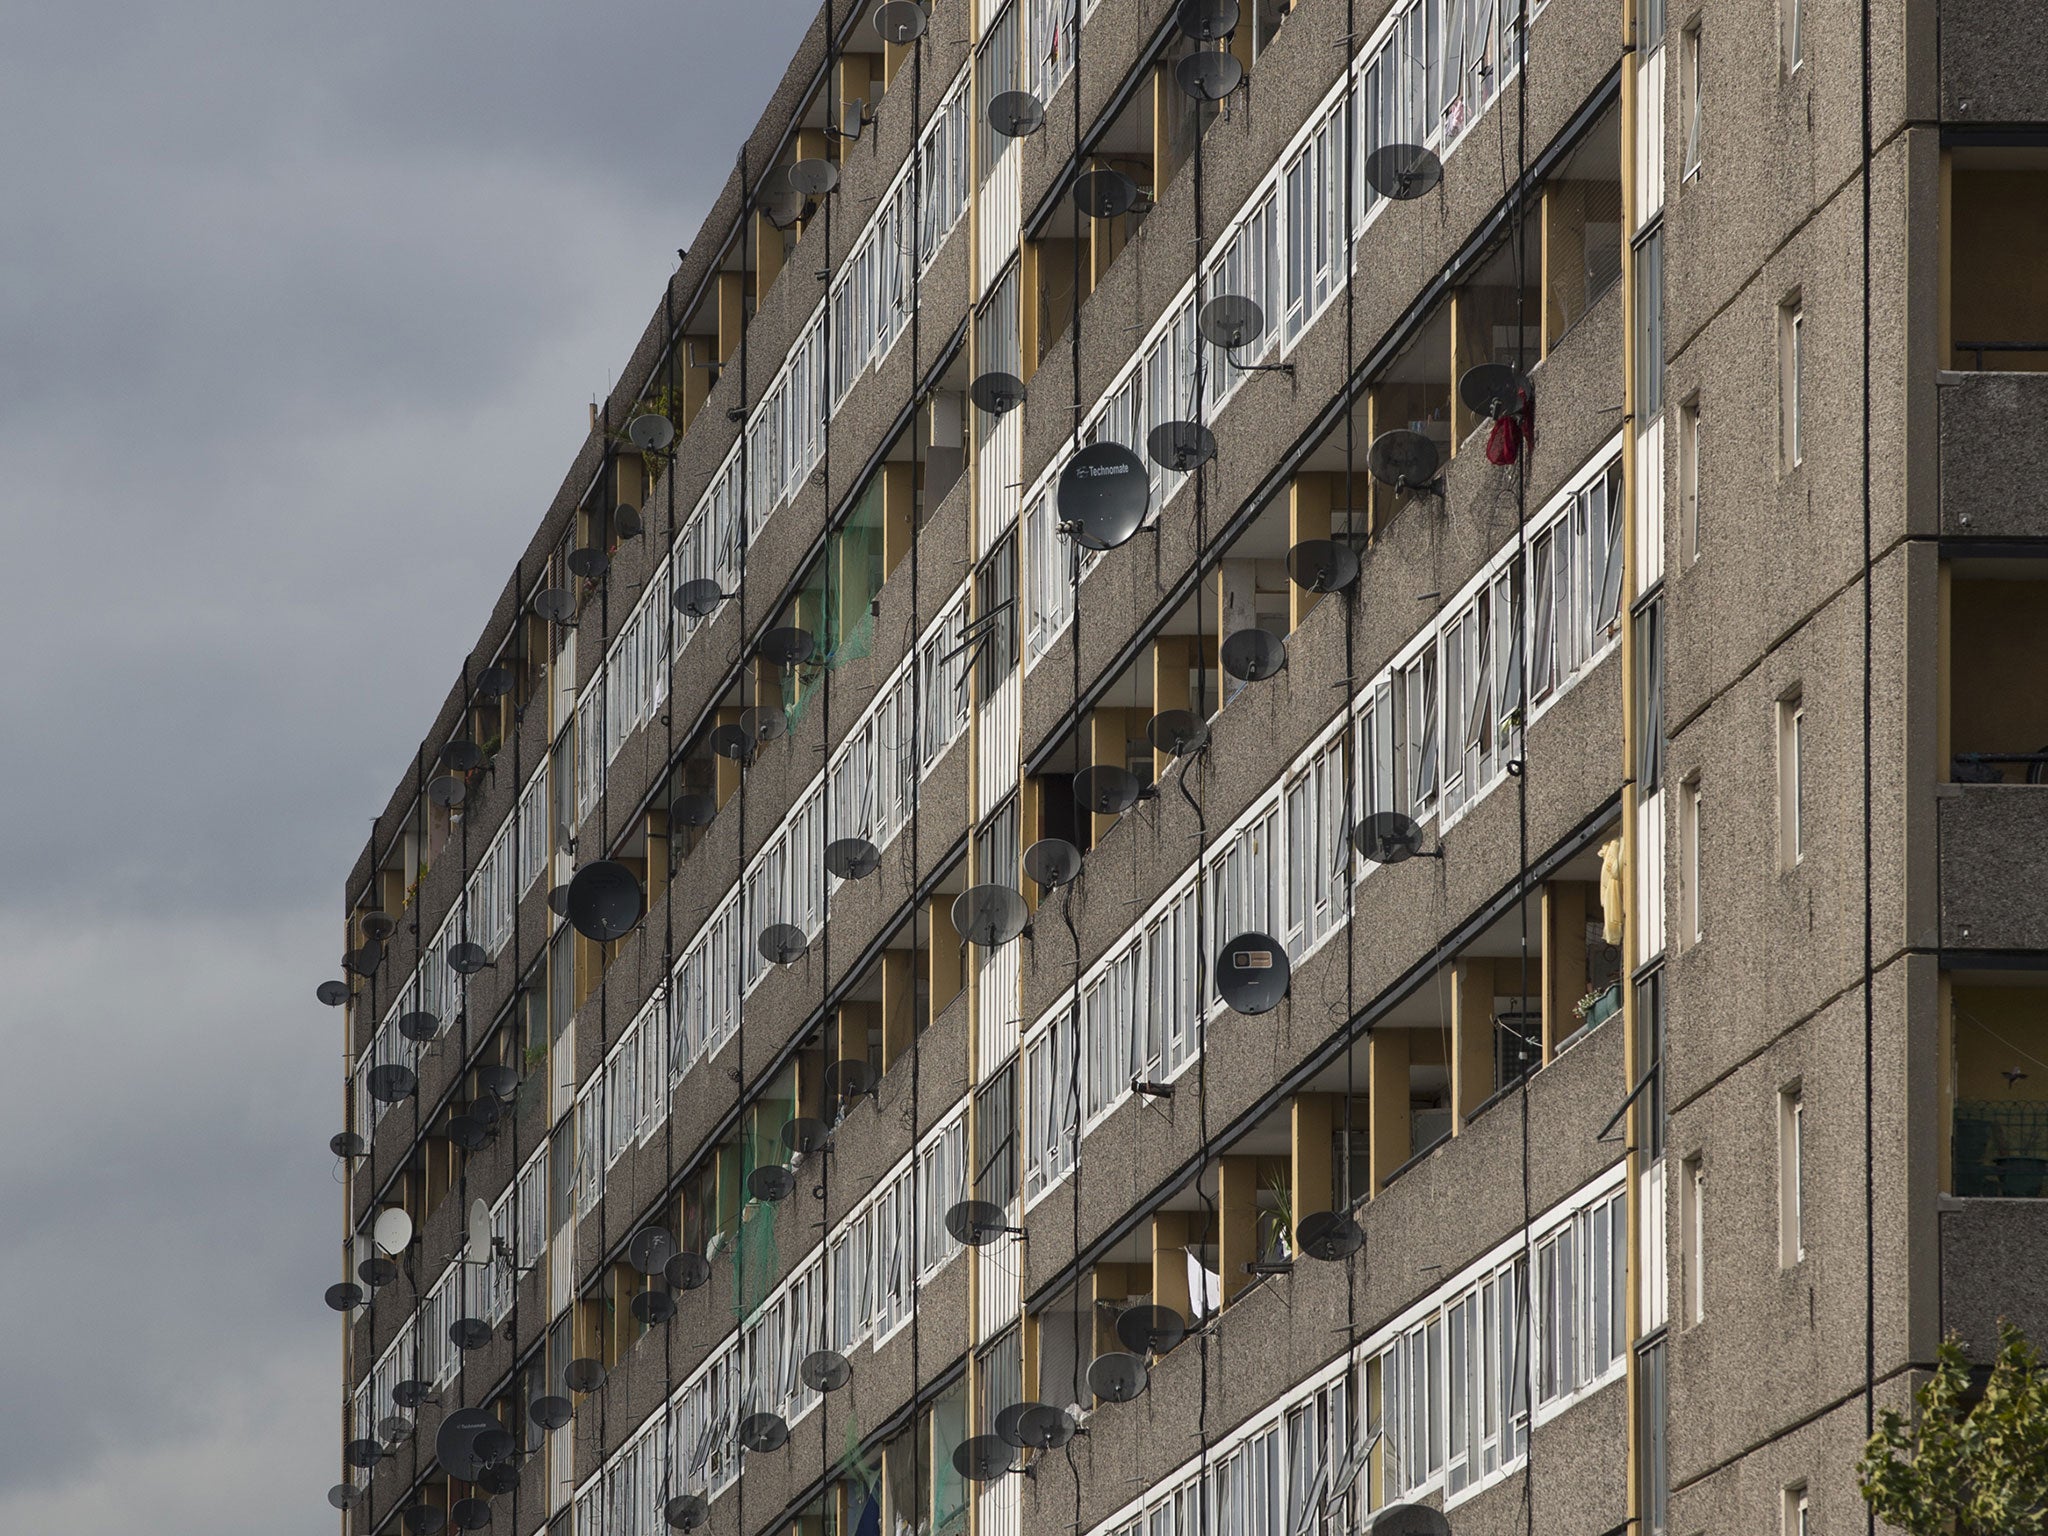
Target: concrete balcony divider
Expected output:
[1994,867]
[1993,459]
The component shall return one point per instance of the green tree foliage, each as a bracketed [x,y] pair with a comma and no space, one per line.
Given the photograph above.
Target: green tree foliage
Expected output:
[1957,1470]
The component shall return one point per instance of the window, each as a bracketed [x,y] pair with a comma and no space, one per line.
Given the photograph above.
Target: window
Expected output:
[1650,326]
[1649,699]
[1650,1422]
[1791,1176]
[1650,26]
[1791,375]
[1689,476]
[1791,780]
[1691,918]
[1795,35]
[1793,1520]
[1689,100]
[1692,1216]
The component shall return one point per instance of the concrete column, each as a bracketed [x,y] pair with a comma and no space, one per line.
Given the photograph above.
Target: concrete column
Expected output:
[1237,1204]
[1564,959]
[1172,664]
[943,957]
[899,1004]
[731,301]
[1109,732]
[1308,517]
[1312,1122]
[1471,1038]
[1170,1233]
[1390,1142]
[899,513]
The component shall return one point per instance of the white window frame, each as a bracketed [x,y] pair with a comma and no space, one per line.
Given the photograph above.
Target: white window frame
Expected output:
[1791,1175]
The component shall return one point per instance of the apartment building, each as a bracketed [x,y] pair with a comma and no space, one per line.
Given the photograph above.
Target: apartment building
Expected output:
[1277,764]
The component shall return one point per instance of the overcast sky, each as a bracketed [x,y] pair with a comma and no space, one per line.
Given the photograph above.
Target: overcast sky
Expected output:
[301,309]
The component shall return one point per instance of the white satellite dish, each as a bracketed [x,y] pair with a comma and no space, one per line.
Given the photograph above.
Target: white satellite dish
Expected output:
[392,1231]
[479,1247]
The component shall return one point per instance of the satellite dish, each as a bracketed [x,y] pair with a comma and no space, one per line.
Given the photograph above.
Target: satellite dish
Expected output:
[1118,1378]
[825,1370]
[419,1026]
[332,993]
[788,646]
[551,1411]
[849,1078]
[1177,732]
[688,1271]
[346,1144]
[555,605]
[1016,114]
[1230,321]
[626,522]
[604,901]
[1045,1428]
[1322,565]
[469,1334]
[650,1249]
[900,21]
[852,858]
[977,1223]
[462,754]
[805,1135]
[983,1458]
[411,1394]
[699,599]
[782,944]
[989,915]
[424,1519]
[771,1182]
[467,959]
[394,1430]
[1181,446]
[500,1082]
[1254,655]
[1052,862]
[391,1081]
[1104,493]
[1408,1520]
[1209,76]
[585,1375]
[495,1445]
[471,1514]
[686,1511]
[765,722]
[378,926]
[455,1443]
[1404,459]
[344,1495]
[346,1296]
[1252,973]
[558,900]
[498,1479]
[763,1432]
[362,1453]
[997,394]
[733,740]
[654,1307]
[1494,390]
[589,563]
[391,1232]
[814,178]
[1206,21]
[486,1111]
[1105,194]
[1329,1236]
[377,1272]
[477,1234]
[1107,789]
[1005,1424]
[495,681]
[651,431]
[1403,171]
[1150,1330]
[783,204]
[693,808]
[1388,837]
[363,960]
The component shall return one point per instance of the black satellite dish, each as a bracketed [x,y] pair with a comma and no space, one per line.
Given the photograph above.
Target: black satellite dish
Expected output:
[1408,1520]
[771,1182]
[763,1432]
[1104,493]
[1150,1330]
[455,1444]
[650,1249]
[977,1223]
[1045,1428]
[1016,114]
[550,1411]
[1405,459]
[485,1111]
[1403,171]
[686,1511]
[997,394]
[555,605]
[411,1394]
[814,178]
[765,722]
[558,899]
[852,858]
[378,926]
[604,901]
[1105,194]
[377,1272]
[1230,321]
[1006,1420]
[495,1445]
[1107,789]
[503,1478]
[1494,390]
[424,1519]
[1181,446]
[900,21]
[733,741]
[1329,1236]
[1117,1377]
[589,563]
[364,959]
[988,915]
[654,1307]
[470,1333]
[1177,732]
[346,1144]
[693,808]
[346,1296]
[395,1430]
[782,944]
[1209,76]
[849,1078]
[584,1376]
[1254,655]
[699,599]
[471,1514]
[466,959]
[419,1025]
[788,646]
[495,681]
[805,1135]
[332,993]
[365,1453]
[983,1458]
[1252,973]
[651,432]
[1388,837]
[1322,565]
[500,1082]
[626,522]
[391,1081]
[825,1370]
[462,754]
[1206,21]
[688,1271]
[1052,862]
[344,1495]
